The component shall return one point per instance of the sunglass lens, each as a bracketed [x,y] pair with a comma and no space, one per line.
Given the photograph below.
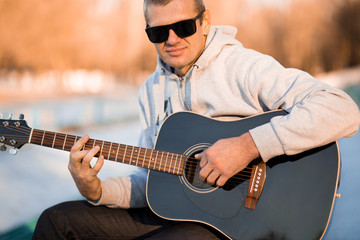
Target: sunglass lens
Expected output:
[185,28]
[158,34]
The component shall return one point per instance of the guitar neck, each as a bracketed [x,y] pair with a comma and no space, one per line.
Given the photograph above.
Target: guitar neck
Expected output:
[142,157]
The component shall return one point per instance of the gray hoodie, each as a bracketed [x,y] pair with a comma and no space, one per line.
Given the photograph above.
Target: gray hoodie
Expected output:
[230,80]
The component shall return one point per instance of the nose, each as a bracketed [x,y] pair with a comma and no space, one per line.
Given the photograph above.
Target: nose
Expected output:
[173,38]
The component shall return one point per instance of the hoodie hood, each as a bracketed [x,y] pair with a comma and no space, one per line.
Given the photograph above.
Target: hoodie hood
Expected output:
[219,37]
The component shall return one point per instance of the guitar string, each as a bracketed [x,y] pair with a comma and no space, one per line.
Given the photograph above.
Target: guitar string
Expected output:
[142,156]
[241,176]
[230,182]
[90,140]
[106,150]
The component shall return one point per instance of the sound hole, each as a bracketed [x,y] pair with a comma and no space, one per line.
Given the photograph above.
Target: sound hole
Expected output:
[192,172]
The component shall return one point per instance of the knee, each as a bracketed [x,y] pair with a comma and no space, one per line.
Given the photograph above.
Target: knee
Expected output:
[51,222]
[49,215]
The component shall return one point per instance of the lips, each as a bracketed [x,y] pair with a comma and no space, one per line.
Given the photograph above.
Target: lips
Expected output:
[175,51]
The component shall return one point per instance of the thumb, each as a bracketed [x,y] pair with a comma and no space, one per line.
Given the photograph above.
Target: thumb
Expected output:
[198,156]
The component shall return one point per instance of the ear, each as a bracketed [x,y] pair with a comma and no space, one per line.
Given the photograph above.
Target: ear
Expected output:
[206,22]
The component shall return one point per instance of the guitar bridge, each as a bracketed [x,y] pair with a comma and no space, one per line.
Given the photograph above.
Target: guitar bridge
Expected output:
[256,185]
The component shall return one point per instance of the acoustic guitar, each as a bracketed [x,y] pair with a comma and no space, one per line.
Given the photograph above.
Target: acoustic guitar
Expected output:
[289,197]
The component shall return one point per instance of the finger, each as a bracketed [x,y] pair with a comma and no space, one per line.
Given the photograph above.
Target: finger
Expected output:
[203,162]
[204,172]
[77,156]
[89,156]
[221,181]
[199,155]
[98,165]
[79,144]
[213,176]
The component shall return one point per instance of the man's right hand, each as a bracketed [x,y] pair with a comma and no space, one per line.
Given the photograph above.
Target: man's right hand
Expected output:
[84,175]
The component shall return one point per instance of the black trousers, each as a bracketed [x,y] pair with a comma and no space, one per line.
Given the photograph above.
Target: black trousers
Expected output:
[81,220]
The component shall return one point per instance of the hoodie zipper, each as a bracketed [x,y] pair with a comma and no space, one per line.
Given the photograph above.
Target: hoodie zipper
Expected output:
[182,94]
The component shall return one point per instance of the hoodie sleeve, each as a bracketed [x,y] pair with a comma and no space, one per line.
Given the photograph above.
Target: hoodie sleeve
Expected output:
[318,114]
[124,191]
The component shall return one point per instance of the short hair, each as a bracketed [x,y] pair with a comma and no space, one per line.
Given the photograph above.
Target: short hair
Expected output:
[199,6]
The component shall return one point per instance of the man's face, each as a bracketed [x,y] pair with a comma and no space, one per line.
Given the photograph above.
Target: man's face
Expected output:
[179,53]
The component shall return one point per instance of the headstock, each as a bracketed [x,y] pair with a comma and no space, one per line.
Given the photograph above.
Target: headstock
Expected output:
[13,133]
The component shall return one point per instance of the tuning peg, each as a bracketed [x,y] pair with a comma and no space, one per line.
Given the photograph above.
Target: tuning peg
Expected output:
[13,151]
[21,116]
[10,116]
[2,147]
[1,115]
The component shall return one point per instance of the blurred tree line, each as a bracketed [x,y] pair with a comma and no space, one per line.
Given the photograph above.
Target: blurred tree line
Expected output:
[39,35]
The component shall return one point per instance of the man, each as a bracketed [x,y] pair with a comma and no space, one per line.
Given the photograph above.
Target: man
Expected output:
[205,70]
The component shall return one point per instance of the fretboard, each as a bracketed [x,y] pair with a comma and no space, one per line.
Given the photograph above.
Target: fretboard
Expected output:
[162,161]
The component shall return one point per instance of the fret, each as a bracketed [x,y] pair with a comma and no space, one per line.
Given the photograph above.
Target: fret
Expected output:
[132,151]
[150,160]
[63,148]
[101,149]
[167,157]
[83,147]
[31,135]
[172,155]
[156,158]
[105,148]
[162,155]
[175,163]
[109,150]
[112,151]
[142,165]
[117,153]
[53,141]
[94,143]
[42,138]
[137,159]
[181,160]
[123,160]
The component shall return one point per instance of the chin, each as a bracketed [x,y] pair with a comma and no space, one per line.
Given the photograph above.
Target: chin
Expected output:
[175,63]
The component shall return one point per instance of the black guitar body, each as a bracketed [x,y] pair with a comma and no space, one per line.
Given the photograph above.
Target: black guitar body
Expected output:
[296,202]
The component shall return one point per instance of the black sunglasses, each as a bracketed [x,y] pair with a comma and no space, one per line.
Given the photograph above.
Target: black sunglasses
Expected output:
[184,28]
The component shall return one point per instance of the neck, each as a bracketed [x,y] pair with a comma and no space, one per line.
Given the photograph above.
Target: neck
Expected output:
[182,71]
[146,158]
